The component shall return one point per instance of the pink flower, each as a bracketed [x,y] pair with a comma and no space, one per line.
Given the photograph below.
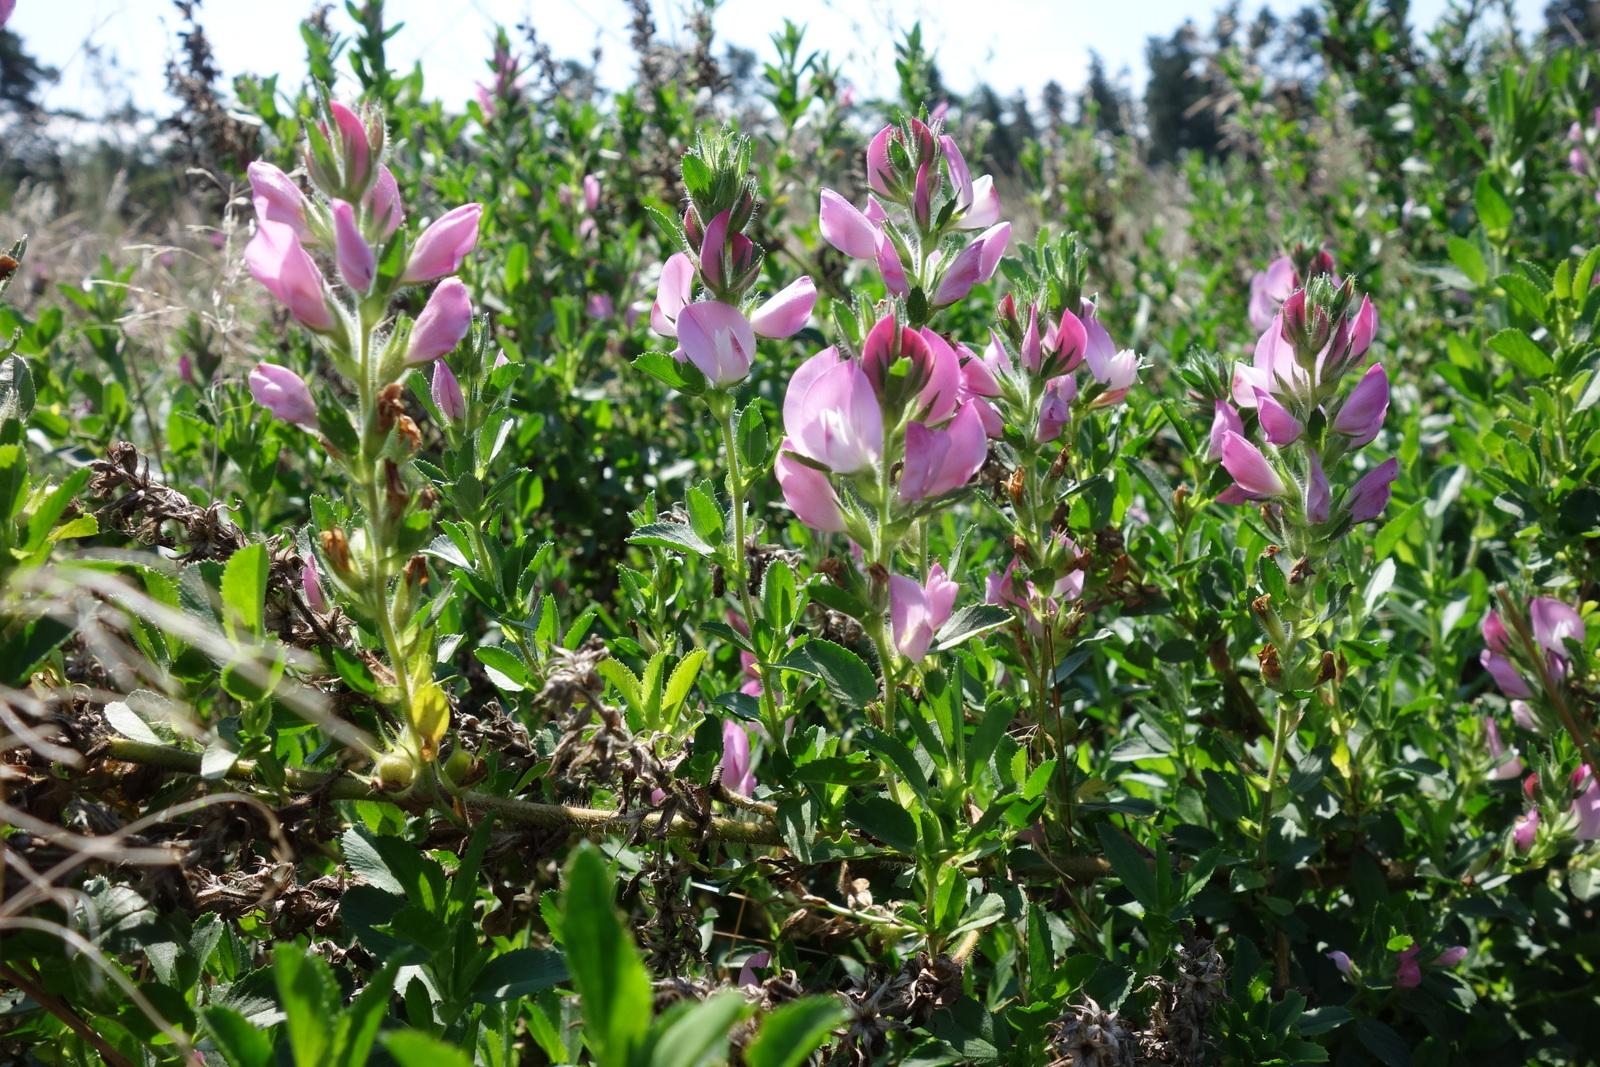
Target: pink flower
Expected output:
[1525,830]
[311,586]
[444,245]
[1055,409]
[600,306]
[717,338]
[1553,624]
[1505,674]
[1504,763]
[1116,374]
[973,265]
[878,173]
[941,461]
[1361,415]
[1223,419]
[356,263]
[807,492]
[1319,496]
[384,202]
[284,393]
[443,323]
[1340,960]
[847,229]
[1280,427]
[747,973]
[932,368]
[673,294]
[1408,972]
[1586,808]
[447,392]
[277,198]
[1274,369]
[1249,467]
[186,370]
[353,137]
[889,265]
[1362,329]
[6,7]
[1370,495]
[917,612]
[831,413]
[785,314]
[737,775]
[1268,290]
[1450,956]
[276,260]
[591,192]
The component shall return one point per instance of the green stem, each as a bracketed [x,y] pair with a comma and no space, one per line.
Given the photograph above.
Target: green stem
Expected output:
[1279,737]
[723,408]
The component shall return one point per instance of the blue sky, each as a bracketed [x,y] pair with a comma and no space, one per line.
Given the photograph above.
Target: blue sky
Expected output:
[1014,44]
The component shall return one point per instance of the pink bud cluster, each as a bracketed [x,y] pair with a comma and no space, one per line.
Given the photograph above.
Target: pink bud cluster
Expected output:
[715,333]
[1311,343]
[353,225]
[1551,624]
[1033,380]
[896,407]
[1407,968]
[1034,604]
[504,86]
[922,172]
[1271,287]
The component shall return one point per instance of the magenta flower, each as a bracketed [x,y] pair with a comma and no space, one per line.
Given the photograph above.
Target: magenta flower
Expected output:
[311,586]
[1504,763]
[444,245]
[447,392]
[831,413]
[1341,960]
[277,198]
[847,229]
[276,259]
[977,201]
[1553,623]
[747,974]
[443,323]
[1055,408]
[353,137]
[356,263]
[600,306]
[1361,415]
[1274,369]
[1370,495]
[1224,418]
[1280,427]
[879,174]
[973,265]
[283,393]
[384,202]
[1268,290]
[933,368]
[1525,830]
[889,265]
[6,8]
[737,775]
[807,492]
[917,612]
[1249,467]
[1450,956]
[1586,808]
[591,192]
[1319,495]
[785,314]
[717,338]
[186,370]
[942,461]
[673,294]
[1408,972]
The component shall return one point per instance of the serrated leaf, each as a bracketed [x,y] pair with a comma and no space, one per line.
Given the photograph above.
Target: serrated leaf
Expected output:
[847,678]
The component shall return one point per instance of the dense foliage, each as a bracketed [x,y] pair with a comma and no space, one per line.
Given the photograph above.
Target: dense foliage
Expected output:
[731,571]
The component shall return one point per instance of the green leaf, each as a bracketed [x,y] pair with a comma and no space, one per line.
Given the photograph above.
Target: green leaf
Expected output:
[310,999]
[969,622]
[848,679]
[605,967]
[754,443]
[685,377]
[884,819]
[1131,867]
[413,1048]
[237,1038]
[780,600]
[793,1032]
[244,591]
[518,973]
[672,535]
[1526,356]
[16,389]
[505,668]
[1494,211]
[354,671]
[705,514]
[1313,768]
[985,911]
[30,646]
[1381,1040]
[1321,1020]
[690,1038]
[1525,293]
[1465,255]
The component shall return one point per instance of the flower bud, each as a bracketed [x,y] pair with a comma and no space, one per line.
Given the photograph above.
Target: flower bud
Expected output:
[444,245]
[845,228]
[356,147]
[447,392]
[284,393]
[1249,467]
[785,314]
[356,263]
[1371,494]
[277,198]
[443,323]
